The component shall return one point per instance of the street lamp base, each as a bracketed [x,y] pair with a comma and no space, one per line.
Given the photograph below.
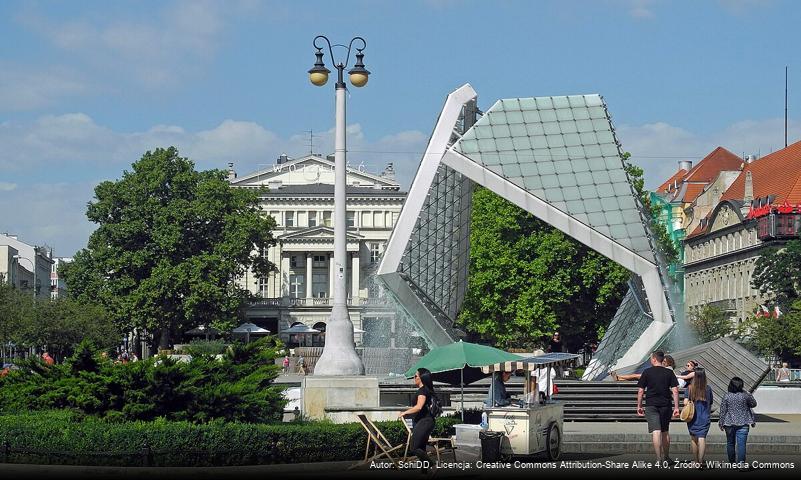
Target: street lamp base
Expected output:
[339,354]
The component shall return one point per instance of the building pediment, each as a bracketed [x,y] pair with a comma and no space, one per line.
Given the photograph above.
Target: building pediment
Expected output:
[316,233]
[725,215]
[310,170]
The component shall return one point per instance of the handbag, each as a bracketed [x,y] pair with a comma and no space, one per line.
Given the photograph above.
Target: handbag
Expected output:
[688,412]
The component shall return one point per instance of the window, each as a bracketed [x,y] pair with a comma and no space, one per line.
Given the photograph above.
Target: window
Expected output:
[327,219]
[312,218]
[320,285]
[290,219]
[394,218]
[276,216]
[264,251]
[378,219]
[297,286]
[297,261]
[367,219]
[319,261]
[350,218]
[374,252]
[263,287]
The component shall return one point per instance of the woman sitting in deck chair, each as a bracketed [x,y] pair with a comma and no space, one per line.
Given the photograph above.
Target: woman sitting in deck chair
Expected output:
[423,422]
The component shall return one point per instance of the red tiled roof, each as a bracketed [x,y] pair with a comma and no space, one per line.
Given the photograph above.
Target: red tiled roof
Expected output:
[676,177]
[710,166]
[698,230]
[776,174]
[692,192]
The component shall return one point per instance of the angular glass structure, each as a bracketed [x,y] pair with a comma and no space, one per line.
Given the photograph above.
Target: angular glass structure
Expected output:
[556,157]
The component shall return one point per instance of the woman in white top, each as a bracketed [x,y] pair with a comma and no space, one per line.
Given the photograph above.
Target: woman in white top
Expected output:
[539,384]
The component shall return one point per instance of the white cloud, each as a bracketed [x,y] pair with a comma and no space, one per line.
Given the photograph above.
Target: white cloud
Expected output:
[658,147]
[68,154]
[25,89]
[48,214]
[154,51]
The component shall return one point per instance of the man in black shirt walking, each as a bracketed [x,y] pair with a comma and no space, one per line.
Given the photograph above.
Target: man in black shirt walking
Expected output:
[658,384]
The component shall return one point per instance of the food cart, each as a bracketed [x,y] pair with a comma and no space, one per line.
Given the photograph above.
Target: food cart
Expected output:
[533,425]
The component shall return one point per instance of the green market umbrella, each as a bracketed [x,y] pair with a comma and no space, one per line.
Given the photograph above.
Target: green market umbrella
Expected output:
[460,363]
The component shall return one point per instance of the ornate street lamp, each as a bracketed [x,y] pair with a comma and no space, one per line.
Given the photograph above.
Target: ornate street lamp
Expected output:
[339,355]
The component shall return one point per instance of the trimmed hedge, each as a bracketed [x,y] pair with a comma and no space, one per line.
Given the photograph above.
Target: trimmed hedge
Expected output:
[69,438]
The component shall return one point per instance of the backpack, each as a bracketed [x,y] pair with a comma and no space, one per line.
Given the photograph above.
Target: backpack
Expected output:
[434,406]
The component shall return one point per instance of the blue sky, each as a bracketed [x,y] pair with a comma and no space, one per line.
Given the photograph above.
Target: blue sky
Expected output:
[86,88]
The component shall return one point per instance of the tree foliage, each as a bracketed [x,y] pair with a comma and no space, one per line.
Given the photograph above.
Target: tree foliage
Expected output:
[236,387]
[710,323]
[777,276]
[528,279]
[659,230]
[56,325]
[774,336]
[169,243]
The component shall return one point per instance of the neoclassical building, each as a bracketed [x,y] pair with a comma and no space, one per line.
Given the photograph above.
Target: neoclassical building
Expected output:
[300,197]
[760,209]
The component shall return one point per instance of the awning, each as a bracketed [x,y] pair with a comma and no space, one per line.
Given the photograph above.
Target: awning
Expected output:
[533,363]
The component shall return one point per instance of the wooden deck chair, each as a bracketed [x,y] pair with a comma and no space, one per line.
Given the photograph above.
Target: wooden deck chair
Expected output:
[382,448]
[440,444]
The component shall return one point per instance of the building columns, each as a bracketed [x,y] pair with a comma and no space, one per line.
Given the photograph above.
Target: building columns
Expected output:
[355,277]
[308,274]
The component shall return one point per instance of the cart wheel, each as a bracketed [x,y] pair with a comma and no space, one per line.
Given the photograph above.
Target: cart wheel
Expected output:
[553,442]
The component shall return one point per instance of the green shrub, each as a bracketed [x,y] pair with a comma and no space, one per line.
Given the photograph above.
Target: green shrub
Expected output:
[65,437]
[205,347]
[237,387]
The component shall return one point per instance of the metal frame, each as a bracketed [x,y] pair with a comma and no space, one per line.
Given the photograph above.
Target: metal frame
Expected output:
[440,152]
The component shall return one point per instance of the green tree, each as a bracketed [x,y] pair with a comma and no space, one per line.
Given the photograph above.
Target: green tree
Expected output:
[777,274]
[169,244]
[659,230]
[16,313]
[528,279]
[60,325]
[774,336]
[710,323]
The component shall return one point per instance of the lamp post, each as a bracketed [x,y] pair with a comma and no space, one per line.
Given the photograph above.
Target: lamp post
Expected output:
[33,269]
[339,355]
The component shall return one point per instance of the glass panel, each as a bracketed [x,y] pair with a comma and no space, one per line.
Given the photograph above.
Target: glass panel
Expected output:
[560,102]
[564,114]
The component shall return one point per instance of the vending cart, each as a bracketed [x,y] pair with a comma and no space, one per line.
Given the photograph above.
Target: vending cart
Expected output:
[533,424]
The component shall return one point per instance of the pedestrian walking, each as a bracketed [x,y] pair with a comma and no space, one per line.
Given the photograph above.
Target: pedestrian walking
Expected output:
[669,362]
[783,374]
[286,364]
[423,421]
[701,396]
[301,365]
[736,417]
[658,384]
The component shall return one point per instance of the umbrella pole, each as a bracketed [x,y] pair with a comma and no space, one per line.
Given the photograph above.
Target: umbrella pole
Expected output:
[461,372]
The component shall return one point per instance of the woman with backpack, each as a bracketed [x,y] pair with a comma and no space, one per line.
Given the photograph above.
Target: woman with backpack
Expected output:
[423,421]
[701,395]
